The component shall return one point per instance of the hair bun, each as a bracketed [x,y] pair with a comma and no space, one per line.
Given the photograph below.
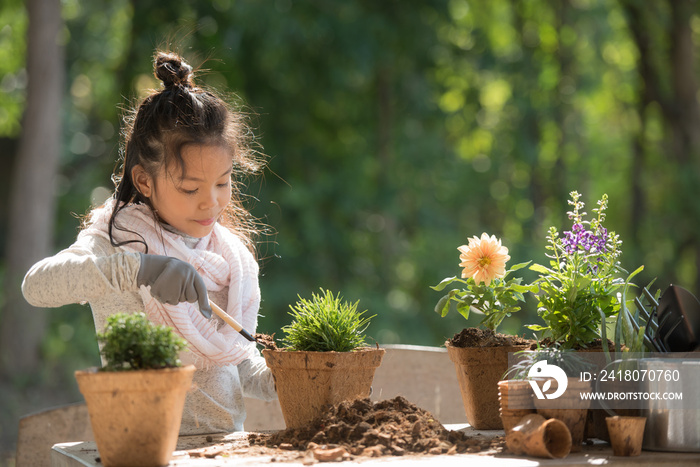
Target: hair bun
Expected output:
[172,70]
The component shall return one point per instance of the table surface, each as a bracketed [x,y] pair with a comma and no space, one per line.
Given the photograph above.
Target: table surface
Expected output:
[238,452]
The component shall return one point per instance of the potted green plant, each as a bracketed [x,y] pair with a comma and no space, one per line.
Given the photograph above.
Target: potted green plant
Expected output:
[585,291]
[481,357]
[135,400]
[324,359]
[578,291]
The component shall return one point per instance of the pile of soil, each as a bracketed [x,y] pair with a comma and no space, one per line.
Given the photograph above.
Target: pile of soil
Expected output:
[477,337]
[365,428]
[267,340]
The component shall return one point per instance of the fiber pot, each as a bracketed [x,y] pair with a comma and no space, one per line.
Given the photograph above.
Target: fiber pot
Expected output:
[136,414]
[516,402]
[538,437]
[309,381]
[626,434]
[479,369]
[570,408]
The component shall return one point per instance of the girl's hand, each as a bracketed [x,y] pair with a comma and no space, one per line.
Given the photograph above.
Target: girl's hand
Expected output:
[173,281]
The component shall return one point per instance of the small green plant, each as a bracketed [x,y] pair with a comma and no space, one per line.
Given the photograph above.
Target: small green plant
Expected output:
[132,342]
[325,323]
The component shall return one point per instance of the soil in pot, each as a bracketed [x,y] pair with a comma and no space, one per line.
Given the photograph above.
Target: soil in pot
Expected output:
[477,337]
[480,357]
[595,345]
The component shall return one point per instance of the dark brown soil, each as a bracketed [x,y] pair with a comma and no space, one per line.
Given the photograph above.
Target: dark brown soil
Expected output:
[365,428]
[477,337]
[596,346]
[593,346]
[267,340]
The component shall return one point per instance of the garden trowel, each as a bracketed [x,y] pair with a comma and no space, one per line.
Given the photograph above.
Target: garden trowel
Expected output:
[235,324]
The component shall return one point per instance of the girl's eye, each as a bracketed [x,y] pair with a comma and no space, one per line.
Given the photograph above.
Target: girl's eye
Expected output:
[189,192]
[223,185]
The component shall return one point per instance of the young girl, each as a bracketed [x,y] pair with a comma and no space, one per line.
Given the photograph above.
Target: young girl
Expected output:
[172,237]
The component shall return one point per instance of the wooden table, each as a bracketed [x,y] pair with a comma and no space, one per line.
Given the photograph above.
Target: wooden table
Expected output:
[240,453]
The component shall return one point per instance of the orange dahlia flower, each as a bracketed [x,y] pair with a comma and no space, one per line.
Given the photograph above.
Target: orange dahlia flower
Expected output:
[484,259]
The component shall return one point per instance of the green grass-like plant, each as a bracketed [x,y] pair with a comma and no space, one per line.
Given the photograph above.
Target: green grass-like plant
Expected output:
[132,342]
[325,323]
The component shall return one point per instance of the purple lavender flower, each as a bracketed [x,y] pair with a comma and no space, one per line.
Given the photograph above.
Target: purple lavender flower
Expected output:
[580,239]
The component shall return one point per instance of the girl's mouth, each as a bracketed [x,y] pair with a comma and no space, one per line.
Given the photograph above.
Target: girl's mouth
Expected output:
[206,222]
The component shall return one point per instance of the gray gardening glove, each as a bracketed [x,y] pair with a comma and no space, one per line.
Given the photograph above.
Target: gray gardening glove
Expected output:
[173,281]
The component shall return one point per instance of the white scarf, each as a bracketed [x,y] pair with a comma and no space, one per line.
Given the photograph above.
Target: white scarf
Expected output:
[221,259]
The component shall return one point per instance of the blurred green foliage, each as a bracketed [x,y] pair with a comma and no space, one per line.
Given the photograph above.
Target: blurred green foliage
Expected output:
[395,130]
[13,78]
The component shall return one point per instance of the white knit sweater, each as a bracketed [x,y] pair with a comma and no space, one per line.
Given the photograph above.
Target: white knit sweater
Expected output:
[93,271]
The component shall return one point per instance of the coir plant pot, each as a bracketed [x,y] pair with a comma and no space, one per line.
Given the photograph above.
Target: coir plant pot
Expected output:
[135,415]
[570,408]
[479,369]
[538,437]
[135,401]
[626,434]
[308,381]
[516,400]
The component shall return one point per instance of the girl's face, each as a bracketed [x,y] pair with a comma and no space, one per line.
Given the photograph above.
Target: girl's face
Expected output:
[192,200]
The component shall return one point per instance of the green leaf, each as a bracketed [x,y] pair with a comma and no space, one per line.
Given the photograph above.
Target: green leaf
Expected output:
[525,288]
[519,266]
[443,306]
[541,269]
[445,282]
[464,310]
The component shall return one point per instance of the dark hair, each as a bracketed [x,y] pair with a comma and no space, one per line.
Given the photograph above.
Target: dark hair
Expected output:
[179,114]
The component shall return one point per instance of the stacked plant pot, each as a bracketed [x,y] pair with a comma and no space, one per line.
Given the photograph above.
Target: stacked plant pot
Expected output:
[515,397]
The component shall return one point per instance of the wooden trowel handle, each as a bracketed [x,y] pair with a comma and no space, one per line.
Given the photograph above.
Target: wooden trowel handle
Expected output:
[225,316]
[230,321]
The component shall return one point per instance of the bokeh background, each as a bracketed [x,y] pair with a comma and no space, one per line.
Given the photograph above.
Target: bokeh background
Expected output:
[395,129]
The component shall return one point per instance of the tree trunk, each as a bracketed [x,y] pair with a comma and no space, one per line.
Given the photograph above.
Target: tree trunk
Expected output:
[32,204]
[685,127]
[674,86]
[385,123]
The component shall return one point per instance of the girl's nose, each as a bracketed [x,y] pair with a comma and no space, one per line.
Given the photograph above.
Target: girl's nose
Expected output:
[208,200]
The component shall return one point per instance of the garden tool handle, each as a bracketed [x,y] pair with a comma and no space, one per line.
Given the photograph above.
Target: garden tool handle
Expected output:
[230,321]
